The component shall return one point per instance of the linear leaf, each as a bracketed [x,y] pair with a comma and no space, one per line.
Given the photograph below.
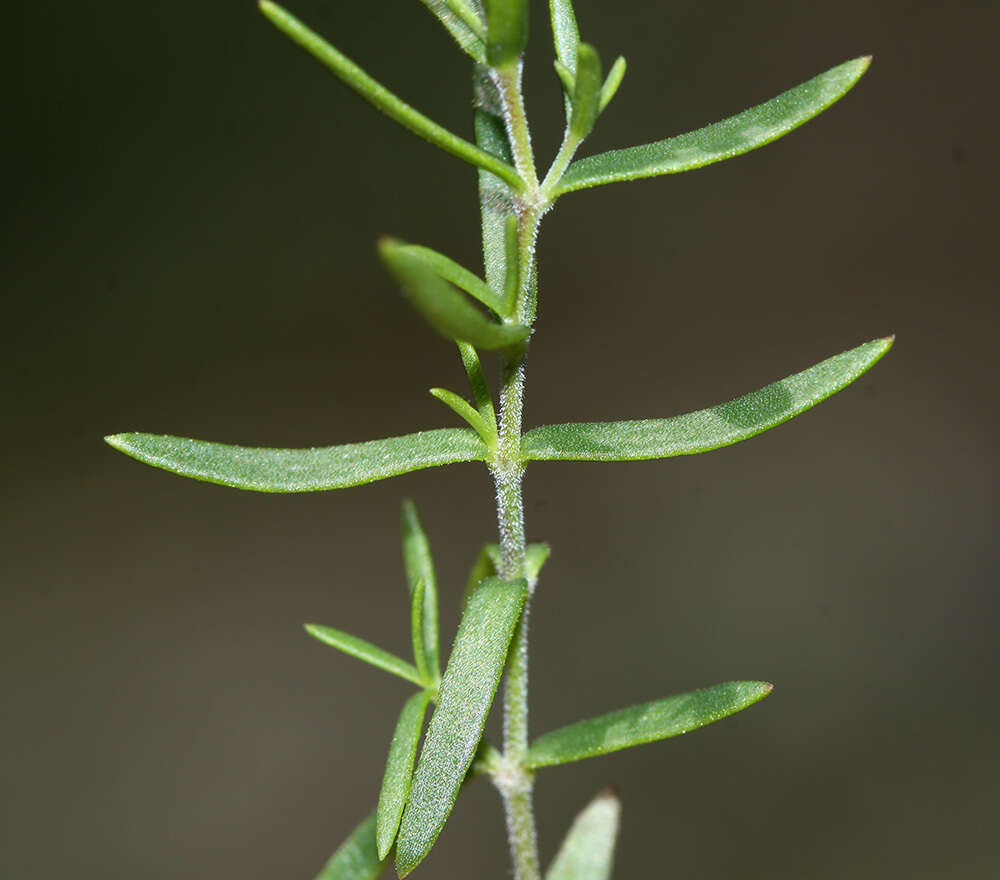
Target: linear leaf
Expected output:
[705,429]
[419,565]
[366,651]
[442,306]
[612,82]
[645,723]
[588,850]
[379,96]
[261,469]
[463,24]
[399,771]
[586,91]
[357,858]
[506,30]
[466,411]
[565,33]
[732,137]
[477,381]
[495,202]
[464,699]
[417,636]
[457,274]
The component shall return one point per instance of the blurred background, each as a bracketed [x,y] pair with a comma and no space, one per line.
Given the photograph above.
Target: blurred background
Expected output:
[192,205]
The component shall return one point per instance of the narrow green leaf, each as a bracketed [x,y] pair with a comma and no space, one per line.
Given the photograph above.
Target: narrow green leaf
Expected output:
[586,91]
[468,412]
[463,24]
[568,80]
[442,306]
[705,429]
[645,723]
[366,651]
[379,96]
[477,380]
[419,565]
[482,568]
[588,850]
[732,137]
[417,634]
[611,83]
[494,195]
[399,771]
[506,31]
[357,858]
[464,700]
[458,275]
[565,33]
[535,556]
[301,470]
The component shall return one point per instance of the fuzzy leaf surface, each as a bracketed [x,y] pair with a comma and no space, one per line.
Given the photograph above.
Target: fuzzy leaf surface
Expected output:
[261,469]
[357,858]
[705,429]
[399,771]
[587,851]
[645,723]
[366,651]
[495,202]
[461,23]
[464,699]
[723,140]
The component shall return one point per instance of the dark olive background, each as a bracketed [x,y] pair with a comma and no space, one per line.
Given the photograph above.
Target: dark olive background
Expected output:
[191,208]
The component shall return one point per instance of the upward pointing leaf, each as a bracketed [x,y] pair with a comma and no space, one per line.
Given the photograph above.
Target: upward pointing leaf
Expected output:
[494,195]
[566,36]
[506,30]
[645,723]
[366,651]
[301,470]
[705,429]
[732,137]
[464,700]
[587,852]
[419,566]
[357,858]
[462,23]
[586,91]
[378,95]
[443,307]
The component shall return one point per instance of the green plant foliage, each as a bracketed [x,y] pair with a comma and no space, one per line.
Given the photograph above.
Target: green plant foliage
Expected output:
[507,31]
[612,82]
[301,470]
[705,429]
[480,389]
[366,651]
[458,275]
[732,137]
[442,306]
[463,24]
[586,91]
[475,419]
[588,851]
[464,700]
[379,96]
[645,723]
[399,771]
[357,858]
[421,577]
[494,194]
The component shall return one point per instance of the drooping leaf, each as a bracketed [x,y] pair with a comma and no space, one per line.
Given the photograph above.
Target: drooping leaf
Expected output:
[506,31]
[458,275]
[732,137]
[379,96]
[443,307]
[588,850]
[477,381]
[705,429]
[357,858]
[461,407]
[399,771]
[463,24]
[419,565]
[645,723]
[366,651]
[611,83]
[586,92]
[301,470]
[464,699]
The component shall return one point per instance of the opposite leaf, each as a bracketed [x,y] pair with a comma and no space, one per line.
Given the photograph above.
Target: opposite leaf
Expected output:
[357,858]
[732,137]
[442,306]
[399,771]
[644,723]
[366,651]
[705,429]
[587,852]
[301,470]
[464,699]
